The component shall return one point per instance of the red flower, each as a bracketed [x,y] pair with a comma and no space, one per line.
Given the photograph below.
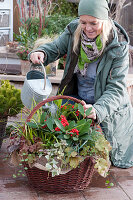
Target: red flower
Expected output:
[64,121]
[44,126]
[77,113]
[65,107]
[74,130]
[57,129]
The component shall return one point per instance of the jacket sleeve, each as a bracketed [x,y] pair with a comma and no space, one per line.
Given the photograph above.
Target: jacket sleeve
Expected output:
[116,88]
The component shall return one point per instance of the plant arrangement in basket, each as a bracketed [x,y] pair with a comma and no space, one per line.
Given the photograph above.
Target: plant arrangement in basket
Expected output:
[57,138]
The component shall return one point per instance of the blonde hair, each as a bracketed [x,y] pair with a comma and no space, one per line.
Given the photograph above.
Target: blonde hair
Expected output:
[107,27]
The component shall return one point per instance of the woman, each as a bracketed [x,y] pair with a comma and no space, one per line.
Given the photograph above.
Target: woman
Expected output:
[96,67]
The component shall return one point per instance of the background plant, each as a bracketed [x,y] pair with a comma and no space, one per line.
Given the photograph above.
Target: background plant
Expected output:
[23,52]
[65,7]
[10,100]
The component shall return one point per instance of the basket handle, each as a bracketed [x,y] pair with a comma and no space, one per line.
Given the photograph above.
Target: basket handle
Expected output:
[49,100]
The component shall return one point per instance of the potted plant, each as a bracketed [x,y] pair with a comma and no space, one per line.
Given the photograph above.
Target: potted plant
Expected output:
[22,53]
[10,104]
[59,146]
[12,46]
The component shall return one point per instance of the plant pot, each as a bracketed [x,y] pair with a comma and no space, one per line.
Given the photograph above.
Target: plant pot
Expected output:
[51,68]
[3,123]
[25,67]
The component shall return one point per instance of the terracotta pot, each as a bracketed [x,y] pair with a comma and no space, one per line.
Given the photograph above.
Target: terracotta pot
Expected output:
[25,67]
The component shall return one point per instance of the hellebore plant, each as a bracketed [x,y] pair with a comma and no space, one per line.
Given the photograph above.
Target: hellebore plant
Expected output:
[58,138]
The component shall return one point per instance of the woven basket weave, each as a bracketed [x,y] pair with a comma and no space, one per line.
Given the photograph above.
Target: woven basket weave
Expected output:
[75,180]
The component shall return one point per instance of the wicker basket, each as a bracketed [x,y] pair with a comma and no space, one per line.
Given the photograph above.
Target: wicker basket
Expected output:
[75,180]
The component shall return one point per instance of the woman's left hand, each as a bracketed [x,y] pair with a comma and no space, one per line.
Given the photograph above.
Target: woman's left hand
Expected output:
[93,111]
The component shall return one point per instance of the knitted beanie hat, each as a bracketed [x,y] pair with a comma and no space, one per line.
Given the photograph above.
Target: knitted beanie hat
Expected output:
[95,8]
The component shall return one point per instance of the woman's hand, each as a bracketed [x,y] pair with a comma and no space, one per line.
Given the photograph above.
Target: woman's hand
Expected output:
[93,111]
[36,57]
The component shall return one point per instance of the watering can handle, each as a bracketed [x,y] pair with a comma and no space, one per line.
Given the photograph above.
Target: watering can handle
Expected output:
[44,71]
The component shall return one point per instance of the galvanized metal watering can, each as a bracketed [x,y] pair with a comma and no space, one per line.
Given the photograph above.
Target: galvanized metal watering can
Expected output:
[36,88]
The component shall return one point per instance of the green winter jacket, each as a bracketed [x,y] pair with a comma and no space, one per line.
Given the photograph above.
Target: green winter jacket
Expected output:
[112,104]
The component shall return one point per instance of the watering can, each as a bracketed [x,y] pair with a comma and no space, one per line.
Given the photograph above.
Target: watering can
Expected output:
[36,87]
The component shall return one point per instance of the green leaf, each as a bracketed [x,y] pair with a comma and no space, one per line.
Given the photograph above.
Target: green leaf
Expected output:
[71,125]
[74,161]
[20,164]
[25,168]
[73,154]
[88,111]
[43,117]
[59,124]
[86,137]
[69,142]
[58,102]
[14,176]
[49,123]
[66,137]
[23,174]
[31,135]
[61,136]
[111,184]
[75,138]
[76,106]
[107,182]
[80,124]
[85,128]
[81,109]
[32,125]
[48,166]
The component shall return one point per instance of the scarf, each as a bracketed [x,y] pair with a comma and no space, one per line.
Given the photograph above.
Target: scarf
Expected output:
[90,50]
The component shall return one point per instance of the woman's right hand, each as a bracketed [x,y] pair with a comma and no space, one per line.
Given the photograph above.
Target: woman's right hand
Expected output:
[36,57]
